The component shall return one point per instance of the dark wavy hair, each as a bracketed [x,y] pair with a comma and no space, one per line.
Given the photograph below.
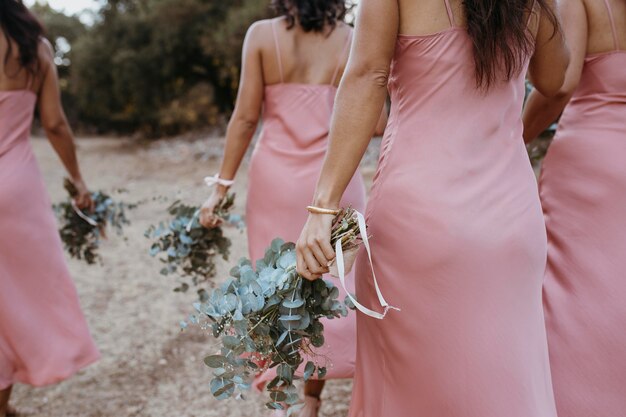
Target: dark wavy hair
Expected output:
[22,27]
[311,15]
[499,32]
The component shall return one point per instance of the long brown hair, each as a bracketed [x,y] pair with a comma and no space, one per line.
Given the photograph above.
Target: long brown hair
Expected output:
[20,26]
[499,32]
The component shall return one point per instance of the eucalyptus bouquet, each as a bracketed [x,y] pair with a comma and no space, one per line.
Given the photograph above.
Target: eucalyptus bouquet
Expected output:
[269,317]
[81,231]
[186,247]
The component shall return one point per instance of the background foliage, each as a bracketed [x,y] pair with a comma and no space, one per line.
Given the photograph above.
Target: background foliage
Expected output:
[158,67]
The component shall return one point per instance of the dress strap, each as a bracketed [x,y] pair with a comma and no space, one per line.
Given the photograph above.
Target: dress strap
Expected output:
[450,14]
[613,28]
[346,48]
[531,12]
[278,60]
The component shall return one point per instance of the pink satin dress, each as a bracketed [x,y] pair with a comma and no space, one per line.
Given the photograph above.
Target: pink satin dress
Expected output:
[583,191]
[283,173]
[44,338]
[459,245]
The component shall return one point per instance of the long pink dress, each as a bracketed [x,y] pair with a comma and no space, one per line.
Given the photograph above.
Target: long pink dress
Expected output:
[459,245]
[583,191]
[283,173]
[43,335]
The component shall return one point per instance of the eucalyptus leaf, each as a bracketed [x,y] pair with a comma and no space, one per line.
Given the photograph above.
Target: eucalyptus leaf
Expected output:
[214,361]
[309,369]
[222,388]
[187,248]
[81,231]
[269,318]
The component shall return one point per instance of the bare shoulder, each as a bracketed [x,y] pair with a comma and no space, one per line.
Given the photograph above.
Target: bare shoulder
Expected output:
[45,52]
[45,49]
[259,34]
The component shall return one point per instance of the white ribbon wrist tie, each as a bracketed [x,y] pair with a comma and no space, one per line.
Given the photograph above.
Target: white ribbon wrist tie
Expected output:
[216,180]
[342,276]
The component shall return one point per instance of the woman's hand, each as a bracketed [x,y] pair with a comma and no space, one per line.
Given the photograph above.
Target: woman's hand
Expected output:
[208,218]
[83,198]
[313,249]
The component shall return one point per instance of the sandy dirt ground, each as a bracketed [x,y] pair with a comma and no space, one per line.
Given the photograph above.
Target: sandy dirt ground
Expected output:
[148,366]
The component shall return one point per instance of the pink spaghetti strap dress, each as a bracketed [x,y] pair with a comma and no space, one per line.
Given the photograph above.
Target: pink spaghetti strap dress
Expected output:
[283,173]
[43,335]
[583,191]
[459,245]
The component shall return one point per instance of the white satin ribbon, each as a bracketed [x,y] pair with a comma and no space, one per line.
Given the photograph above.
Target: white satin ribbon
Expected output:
[83,215]
[342,275]
[188,228]
[210,182]
[215,180]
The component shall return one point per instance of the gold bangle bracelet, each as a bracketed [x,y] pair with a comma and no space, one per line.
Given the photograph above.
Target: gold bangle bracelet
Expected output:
[320,210]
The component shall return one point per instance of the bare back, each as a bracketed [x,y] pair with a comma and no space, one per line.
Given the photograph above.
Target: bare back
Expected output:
[303,57]
[605,18]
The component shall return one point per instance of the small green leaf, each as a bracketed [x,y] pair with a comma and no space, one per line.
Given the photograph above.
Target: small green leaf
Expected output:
[274,406]
[278,396]
[309,369]
[215,361]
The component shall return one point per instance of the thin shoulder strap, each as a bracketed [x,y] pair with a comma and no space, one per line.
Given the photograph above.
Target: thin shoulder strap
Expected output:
[346,48]
[533,7]
[450,14]
[613,28]
[278,59]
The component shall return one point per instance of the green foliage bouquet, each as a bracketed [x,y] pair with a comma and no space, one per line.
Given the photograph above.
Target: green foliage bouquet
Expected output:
[269,317]
[186,247]
[81,231]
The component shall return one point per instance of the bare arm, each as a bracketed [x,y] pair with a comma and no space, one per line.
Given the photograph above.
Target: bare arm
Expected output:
[551,58]
[358,107]
[56,126]
[541,111]
[243,122]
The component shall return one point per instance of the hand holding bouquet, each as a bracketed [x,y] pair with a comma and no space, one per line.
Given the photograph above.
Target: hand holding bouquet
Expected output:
[269,317]
[188,248]
[83,219]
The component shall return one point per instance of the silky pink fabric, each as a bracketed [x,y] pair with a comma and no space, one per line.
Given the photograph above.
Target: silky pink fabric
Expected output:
[43,335]
[459,245]
[283,173]
[583,191]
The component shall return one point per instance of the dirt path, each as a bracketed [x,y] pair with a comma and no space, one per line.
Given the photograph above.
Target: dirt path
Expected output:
[149,367]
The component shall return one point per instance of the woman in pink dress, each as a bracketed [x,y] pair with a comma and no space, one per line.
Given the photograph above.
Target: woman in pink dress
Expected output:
[583,192]
[457,235]
[43,335]
[291,67]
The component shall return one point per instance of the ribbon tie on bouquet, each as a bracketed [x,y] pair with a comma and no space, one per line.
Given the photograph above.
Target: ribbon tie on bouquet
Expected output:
[210,182]
[83,216]
[342,275]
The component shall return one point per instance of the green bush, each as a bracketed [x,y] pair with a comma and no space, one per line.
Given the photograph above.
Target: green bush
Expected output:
[160,67]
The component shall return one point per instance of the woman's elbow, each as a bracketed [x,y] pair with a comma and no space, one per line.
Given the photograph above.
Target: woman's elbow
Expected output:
[554,82]
[375,75]
[244,123]
[54,127]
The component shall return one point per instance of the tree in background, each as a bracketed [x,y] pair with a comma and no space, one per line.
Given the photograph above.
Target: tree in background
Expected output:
[159,67]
